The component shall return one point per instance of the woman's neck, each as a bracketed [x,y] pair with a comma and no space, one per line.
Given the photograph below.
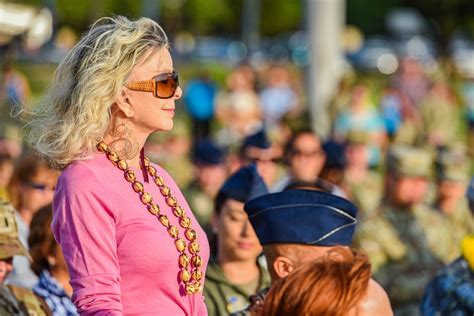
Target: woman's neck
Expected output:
[26,215]
[239,272]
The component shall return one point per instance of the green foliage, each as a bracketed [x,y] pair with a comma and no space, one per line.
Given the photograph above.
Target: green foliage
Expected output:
[279,16]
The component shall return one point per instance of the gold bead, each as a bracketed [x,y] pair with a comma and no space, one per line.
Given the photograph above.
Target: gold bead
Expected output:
[171,201]
[138,187]
[130,176]
[190,289]
[196,261]
[159,181]
[173,231]
[152,171]
[102,147]
[178,211]
[185,222]
[184,275]
[146,198]
[197,275]
[180,244]
[153,209]
[194,247]
[165,191]
[197,287]
[164,220]
[146,161]
[183,260]
[122,164]
[112,156]
[191,234]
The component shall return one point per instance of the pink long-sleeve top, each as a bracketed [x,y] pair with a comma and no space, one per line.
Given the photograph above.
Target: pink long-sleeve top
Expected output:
[120,258]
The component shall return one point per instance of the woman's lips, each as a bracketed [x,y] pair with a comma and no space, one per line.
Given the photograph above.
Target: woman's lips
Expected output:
[245,245]
[171,111]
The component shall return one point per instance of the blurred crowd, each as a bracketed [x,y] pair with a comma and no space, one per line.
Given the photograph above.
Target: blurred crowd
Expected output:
[400,150]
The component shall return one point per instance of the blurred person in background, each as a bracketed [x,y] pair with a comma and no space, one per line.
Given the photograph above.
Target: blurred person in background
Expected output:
[15,300]
[258,149]
[14,89]
[296,226]
[198,98]
[362,115]
[238,108]
[441,116]
[363,186]
[113,89]
[278,97]
[235,272]
[333,170]
[172,151]
[411,81]
[31,187]
[452,181]
[304,158]
[11,142]
[338,283]
[49,265]
[210,174]
[407,241]
[401,117]
[6,171]
[451,292]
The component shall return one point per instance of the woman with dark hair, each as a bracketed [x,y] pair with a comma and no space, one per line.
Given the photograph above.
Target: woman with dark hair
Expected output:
[48,263]
[31,187]
[235,273]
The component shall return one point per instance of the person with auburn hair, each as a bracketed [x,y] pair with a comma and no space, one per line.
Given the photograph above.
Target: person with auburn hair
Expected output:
[129,238]
[336,284]
[298,226]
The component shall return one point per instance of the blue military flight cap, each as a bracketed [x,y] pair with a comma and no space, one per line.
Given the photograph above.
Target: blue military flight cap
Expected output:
[208,153]
[244,185]
[259,139]
[335,155]
[306,217]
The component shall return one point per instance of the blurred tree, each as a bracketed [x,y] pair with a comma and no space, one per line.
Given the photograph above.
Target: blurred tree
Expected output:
[369,15]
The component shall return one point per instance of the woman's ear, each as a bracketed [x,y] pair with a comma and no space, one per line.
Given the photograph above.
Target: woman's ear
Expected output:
[283,266]
[124,103]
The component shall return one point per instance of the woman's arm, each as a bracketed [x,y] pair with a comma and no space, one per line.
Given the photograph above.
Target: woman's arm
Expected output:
[84,226]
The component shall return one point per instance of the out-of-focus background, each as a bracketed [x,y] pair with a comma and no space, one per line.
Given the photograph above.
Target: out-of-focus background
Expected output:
[385,87]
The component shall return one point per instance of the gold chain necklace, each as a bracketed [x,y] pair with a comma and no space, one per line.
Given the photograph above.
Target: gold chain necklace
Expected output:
[189,272]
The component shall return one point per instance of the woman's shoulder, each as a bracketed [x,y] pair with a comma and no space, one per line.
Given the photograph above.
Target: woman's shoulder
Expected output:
[79,174]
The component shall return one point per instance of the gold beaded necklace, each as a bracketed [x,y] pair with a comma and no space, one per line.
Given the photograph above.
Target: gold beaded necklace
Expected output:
[190,277]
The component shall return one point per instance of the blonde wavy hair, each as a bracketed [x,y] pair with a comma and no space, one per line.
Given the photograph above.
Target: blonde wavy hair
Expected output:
[75,112]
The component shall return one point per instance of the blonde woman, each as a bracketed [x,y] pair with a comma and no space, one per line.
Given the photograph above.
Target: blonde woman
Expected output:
[131,243]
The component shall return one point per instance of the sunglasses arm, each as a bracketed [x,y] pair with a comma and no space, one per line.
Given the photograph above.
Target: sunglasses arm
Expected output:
[148,86]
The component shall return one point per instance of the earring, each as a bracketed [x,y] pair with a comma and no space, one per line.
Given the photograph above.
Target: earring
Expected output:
[126,146]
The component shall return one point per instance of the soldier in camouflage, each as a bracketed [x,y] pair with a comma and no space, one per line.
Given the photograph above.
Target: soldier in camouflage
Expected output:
[407,241]
[14,300]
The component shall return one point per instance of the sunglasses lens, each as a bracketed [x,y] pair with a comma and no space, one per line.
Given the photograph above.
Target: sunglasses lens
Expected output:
[166,84]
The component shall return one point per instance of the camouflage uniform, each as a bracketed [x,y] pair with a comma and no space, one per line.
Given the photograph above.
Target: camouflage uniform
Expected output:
[15,300]
[367,193]
[224,297]
[453,166]
[406,245]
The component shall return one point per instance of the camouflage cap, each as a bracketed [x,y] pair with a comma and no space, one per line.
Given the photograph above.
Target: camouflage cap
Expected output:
[453,165]
[10,245]
[410,161]
[10,131]
[358,137]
